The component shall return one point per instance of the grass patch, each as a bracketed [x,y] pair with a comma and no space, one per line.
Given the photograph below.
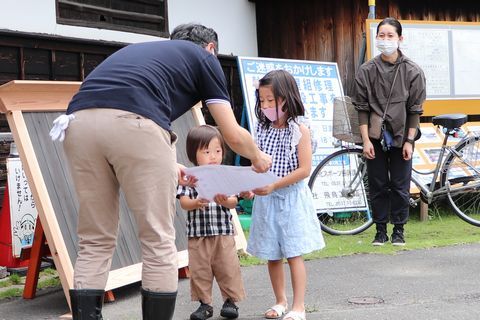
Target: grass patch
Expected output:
[247,260]
[48,279]
[10,293]
[442,229]
[48,272]
[15,279]
[49,283]
[5,283]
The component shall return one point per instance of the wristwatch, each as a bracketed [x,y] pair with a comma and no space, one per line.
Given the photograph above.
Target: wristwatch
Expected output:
[411,141]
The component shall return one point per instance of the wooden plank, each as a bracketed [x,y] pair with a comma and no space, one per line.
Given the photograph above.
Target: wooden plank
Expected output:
[42,95]
[240,240]
[42,200]
[36,62]
[66,66]
[381,9]
[9,60]
[436,107]
[56,177]
[393,9]
[359,14]
[36,254]
[197,114]
[326,34]
[307,26]
[116,278]
[344,43]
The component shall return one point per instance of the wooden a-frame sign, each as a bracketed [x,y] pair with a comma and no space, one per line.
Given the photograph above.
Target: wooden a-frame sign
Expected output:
[23,101]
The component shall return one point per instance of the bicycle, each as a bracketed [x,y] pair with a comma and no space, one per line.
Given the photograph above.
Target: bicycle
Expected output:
[456,176]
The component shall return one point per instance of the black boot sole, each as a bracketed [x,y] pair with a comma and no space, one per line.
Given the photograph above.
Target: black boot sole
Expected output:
[229,314]
[194,317]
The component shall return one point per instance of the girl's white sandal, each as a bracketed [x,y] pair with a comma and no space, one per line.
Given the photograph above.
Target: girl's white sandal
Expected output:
[278,309]
[295,315]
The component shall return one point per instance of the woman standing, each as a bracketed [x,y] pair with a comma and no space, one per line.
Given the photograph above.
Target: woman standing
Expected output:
[388,94]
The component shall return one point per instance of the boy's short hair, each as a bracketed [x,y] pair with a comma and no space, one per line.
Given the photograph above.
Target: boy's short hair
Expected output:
[199,138]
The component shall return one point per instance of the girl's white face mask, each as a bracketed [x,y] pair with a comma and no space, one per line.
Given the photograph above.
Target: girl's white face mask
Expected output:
[271,113]
[387,47]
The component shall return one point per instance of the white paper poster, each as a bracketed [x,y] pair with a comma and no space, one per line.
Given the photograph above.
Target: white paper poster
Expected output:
[23,212]
[227,180]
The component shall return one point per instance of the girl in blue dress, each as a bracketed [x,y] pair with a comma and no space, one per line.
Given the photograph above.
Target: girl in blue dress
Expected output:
[284,222]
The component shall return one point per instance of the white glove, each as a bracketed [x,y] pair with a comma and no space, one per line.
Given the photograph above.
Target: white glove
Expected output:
[59,126]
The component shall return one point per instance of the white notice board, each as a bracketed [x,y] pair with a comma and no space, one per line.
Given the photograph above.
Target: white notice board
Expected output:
[23,212]
[448,53]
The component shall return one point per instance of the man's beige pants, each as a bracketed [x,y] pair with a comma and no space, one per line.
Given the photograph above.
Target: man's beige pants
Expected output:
[108,149]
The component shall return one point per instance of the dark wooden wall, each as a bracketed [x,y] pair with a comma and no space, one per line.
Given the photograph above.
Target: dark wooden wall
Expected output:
[141,16]
[331,30]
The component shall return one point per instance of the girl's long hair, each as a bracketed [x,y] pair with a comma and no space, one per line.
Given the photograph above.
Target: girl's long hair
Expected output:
[283,86]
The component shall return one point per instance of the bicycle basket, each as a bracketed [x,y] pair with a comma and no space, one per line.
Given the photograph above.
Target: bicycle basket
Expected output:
[345,121]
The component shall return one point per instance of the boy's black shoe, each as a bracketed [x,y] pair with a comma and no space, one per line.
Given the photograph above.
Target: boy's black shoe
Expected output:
[380,239]
[229,310]
[397,238]
[203,312]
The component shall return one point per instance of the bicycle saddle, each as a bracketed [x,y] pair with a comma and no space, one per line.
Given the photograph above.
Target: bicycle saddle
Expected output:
[450,121]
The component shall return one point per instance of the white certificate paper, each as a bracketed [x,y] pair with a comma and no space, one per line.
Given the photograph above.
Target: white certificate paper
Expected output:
[228,180]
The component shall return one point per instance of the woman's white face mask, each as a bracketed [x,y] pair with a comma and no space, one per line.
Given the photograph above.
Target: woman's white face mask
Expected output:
[387,47]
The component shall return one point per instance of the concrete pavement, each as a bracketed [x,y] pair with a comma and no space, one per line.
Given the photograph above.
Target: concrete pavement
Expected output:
[433,284]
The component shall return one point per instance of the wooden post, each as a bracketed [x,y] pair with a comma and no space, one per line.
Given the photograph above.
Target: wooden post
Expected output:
[184,273]
[109,296]
[36,254]
[423,211]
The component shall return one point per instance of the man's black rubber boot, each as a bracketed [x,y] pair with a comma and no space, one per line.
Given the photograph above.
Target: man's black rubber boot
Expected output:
[86,304]
[158,305]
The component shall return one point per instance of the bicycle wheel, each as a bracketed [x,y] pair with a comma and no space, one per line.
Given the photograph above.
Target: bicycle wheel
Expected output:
[340,190]
[461,177]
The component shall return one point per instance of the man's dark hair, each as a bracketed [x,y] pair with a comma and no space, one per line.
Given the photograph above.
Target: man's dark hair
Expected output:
[195,33]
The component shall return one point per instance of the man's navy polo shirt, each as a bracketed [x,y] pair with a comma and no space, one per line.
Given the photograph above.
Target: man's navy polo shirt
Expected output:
[159,80]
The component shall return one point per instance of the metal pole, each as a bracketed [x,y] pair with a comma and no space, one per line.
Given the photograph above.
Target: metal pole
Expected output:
[371,9]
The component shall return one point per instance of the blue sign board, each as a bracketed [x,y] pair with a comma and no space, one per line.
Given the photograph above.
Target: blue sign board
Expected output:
[319,83]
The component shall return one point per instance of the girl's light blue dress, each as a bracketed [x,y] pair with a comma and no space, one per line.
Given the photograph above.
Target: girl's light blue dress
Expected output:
[284,223]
